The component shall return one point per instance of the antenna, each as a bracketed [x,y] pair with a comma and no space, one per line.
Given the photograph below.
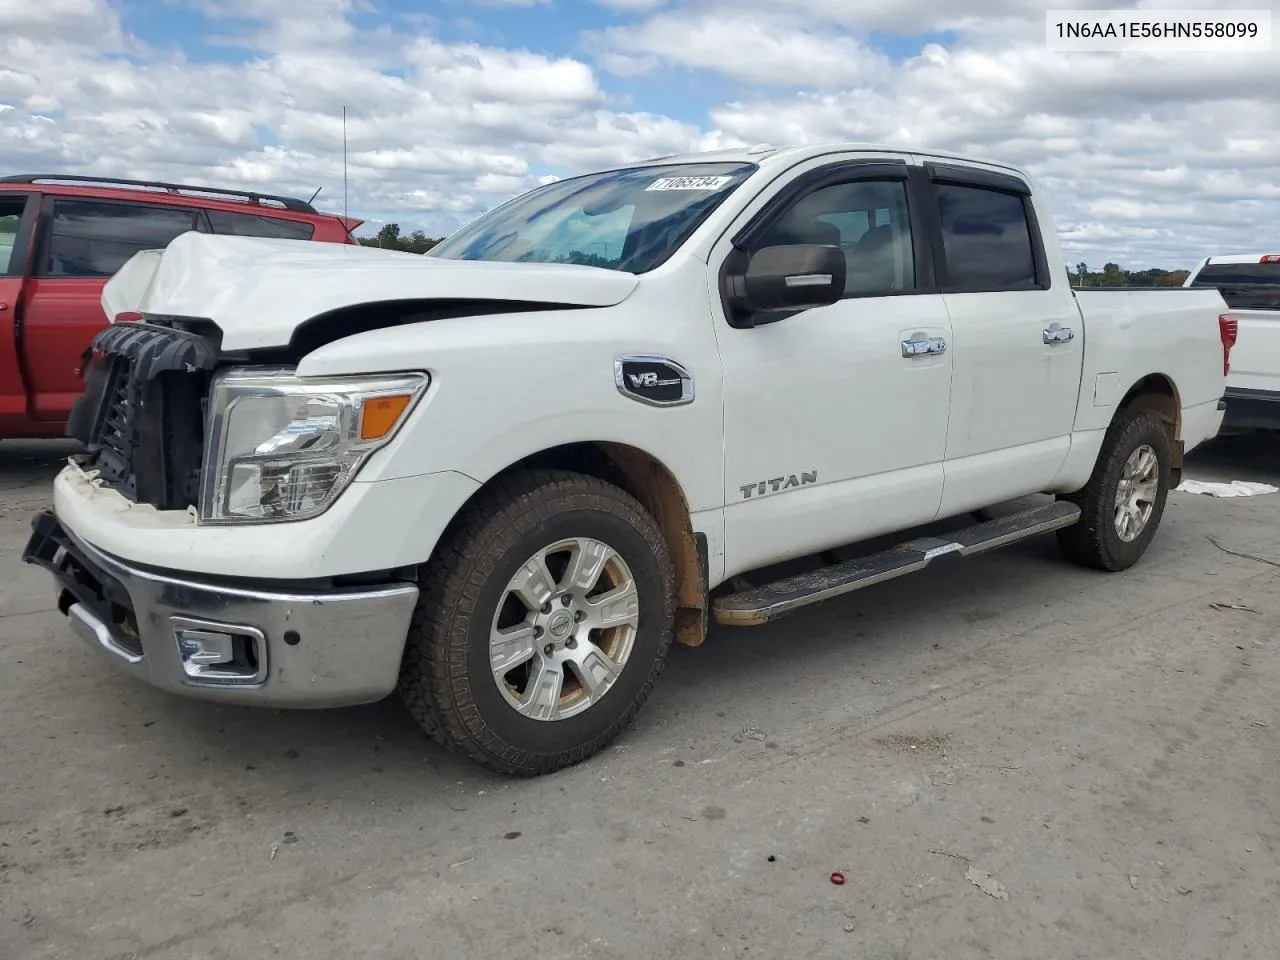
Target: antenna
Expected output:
[344,164]
[314,195]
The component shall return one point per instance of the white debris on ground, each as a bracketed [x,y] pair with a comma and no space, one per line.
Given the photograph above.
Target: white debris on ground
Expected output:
[986,883]
[1236,488]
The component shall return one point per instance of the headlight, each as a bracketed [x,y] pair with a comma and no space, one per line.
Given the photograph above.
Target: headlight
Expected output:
[281,447]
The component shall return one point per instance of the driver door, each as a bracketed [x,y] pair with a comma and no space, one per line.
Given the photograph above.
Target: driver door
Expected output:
[835,417]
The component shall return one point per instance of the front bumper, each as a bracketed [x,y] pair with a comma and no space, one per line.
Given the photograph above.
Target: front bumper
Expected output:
[376,525]
[245,643]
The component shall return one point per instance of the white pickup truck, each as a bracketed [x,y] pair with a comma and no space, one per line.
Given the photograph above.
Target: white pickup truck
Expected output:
[1250,285]
[505,476]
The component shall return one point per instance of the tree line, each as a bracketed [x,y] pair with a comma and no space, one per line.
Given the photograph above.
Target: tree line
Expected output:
[1111,275]
[390,238]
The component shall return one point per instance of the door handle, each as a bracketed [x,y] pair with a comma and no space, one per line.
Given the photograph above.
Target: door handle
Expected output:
[1058,335]
[923,348]
[3,306]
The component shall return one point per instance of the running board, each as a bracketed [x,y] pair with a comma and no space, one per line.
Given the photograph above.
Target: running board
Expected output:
[750,608]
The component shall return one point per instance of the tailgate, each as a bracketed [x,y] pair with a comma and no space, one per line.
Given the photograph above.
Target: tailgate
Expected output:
[1255,359]
[1250,285]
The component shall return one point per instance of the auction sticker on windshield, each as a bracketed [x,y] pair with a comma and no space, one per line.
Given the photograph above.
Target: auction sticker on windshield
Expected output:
[688,183]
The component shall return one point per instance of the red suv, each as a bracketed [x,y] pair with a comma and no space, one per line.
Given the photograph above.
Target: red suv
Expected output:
[62,237]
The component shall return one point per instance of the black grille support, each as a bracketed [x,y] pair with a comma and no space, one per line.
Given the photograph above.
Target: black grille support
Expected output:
[81,580]
[141,416]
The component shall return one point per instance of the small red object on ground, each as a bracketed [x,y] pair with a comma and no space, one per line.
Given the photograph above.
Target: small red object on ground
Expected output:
[837,878]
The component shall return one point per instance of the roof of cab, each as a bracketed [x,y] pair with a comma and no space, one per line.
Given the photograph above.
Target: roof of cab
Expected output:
[767,155]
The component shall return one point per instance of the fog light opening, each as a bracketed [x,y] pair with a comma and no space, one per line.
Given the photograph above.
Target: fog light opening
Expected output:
[219,653]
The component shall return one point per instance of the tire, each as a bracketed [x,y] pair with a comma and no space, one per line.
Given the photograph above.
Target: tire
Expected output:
[447,680]
[1097,540]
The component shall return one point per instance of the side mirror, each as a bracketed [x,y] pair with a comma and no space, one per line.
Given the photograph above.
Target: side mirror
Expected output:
[790,277]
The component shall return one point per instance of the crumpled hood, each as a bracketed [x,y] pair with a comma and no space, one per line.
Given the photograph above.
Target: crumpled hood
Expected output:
[259,290]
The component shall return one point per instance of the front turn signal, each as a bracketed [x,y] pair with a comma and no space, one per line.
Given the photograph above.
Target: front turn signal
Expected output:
[380,415]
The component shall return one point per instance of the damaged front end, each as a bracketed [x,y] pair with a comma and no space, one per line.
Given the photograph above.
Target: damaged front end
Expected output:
[142,414]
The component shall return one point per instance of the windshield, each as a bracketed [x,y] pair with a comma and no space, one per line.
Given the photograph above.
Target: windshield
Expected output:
[630,220]
[1244,286]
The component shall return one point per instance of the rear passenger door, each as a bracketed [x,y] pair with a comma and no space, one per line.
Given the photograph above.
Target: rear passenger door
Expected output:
[1016,337]
[82,243]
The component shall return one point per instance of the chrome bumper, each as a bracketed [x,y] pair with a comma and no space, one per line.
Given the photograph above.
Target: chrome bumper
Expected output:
[235,643]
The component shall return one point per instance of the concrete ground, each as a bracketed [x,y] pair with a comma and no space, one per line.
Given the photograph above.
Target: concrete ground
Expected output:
[1008,757]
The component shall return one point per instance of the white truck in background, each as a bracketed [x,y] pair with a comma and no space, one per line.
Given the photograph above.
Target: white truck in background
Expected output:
[503,477]
[1250,285]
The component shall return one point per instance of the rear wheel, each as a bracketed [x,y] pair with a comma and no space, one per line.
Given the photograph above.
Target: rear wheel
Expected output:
[1123,502]
[543,623]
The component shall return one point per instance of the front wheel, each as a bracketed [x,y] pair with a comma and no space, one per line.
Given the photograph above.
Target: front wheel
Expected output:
[1123,501]
[543,623]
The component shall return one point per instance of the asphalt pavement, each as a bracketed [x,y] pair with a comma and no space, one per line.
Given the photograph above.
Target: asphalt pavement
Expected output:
[1006,757]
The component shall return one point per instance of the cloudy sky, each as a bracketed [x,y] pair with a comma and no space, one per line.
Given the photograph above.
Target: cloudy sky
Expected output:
[455,105]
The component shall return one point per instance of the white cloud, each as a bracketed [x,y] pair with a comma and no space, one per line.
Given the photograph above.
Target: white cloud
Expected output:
[764,49]
[631,5]
[1173,168]
[1152,160]
[455,129]
[1148,159]
[505,76]
[89,22]
[278,24]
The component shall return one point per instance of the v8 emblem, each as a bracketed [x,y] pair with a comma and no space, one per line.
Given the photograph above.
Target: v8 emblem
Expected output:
[655,381]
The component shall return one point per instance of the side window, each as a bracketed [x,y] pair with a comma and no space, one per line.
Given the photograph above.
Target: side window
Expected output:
[986,239]
[252,225]
[93,238]
[10,220]
[868,220]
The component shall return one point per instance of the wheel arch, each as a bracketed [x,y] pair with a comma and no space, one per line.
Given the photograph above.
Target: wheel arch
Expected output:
[1158,393]
[650,481]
